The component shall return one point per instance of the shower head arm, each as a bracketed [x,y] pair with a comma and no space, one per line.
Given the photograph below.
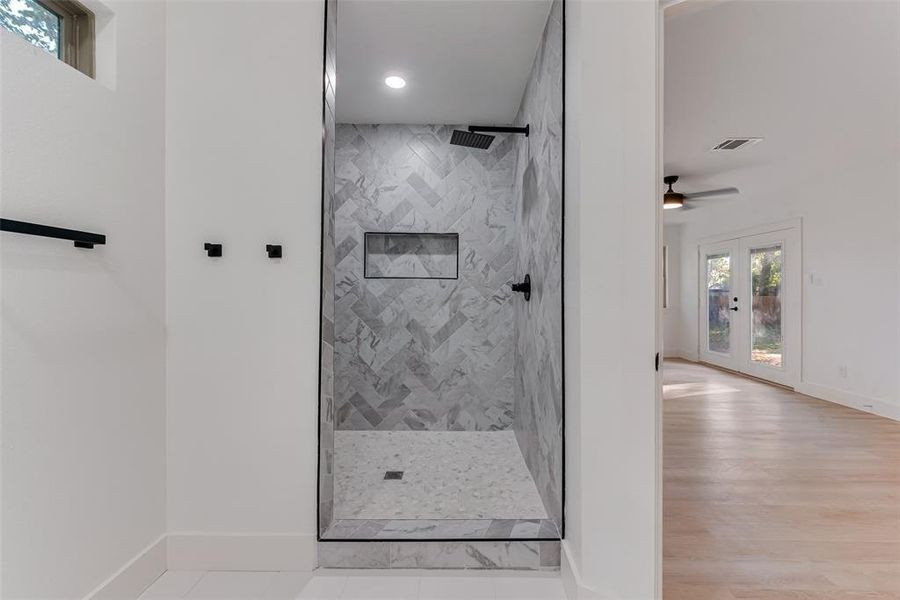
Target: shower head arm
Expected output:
[496,129]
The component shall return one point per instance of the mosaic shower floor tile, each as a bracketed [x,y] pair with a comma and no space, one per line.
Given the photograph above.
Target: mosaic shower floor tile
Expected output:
[470,477]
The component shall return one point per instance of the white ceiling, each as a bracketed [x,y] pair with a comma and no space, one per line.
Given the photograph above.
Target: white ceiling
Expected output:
[464,61]
[817,80]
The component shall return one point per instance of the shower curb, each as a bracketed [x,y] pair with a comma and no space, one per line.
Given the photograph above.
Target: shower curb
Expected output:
[475,555]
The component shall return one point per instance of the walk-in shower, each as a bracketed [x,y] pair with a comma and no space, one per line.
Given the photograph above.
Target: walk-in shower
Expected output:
[442,377]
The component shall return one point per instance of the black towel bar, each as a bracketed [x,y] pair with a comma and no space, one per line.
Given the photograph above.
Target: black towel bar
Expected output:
[82,239]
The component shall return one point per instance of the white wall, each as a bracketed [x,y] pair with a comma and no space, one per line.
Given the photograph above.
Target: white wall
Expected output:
[242,166]
[243,156]
[821,82]
[83,359]
[610,278]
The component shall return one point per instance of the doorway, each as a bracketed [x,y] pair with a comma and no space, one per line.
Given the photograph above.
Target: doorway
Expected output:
[442,341]
[750,303]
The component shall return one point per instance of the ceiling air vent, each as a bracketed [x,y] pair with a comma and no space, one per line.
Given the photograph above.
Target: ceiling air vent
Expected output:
[735,144]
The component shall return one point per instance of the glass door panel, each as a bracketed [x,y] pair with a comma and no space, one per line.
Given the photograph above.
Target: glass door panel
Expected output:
[766,338]
[771,282]
[719,278]
[718,303]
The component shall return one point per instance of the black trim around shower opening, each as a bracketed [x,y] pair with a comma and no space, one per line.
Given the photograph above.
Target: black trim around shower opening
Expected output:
[322,276]
[562,283]
[562,255]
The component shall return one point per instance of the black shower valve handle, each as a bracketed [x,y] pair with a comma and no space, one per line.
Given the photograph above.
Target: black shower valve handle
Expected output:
[524,288]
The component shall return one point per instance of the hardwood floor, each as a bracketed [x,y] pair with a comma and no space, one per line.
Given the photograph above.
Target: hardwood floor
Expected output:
[769,494]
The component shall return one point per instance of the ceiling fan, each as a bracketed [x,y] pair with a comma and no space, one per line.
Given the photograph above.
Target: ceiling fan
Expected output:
[673,199]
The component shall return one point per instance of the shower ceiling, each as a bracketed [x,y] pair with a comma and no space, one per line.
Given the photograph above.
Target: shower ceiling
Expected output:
[463,61]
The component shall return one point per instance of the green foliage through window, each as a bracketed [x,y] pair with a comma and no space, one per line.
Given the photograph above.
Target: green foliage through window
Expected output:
[718,283]
[766,272]
[30,20]
[718,271]
[765,266]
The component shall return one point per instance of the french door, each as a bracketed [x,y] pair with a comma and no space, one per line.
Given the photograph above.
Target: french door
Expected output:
[750,305]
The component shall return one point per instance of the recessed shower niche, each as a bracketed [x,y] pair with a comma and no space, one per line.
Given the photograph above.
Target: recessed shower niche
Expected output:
[441,387]
[410,255]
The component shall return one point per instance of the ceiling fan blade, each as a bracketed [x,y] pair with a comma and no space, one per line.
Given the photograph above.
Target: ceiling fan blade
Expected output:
[709,193]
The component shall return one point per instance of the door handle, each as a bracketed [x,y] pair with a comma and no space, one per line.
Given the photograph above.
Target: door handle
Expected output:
[734,308]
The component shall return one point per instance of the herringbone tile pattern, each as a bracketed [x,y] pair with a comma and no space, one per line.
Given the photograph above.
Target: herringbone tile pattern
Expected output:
[424,354]
[539,369]
[326,363]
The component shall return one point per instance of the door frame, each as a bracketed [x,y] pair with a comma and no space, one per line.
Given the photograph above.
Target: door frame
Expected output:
[792,291]
[329,42]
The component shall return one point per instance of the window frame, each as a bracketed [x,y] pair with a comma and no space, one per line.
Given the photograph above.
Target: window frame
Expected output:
[665,276]
[76,38]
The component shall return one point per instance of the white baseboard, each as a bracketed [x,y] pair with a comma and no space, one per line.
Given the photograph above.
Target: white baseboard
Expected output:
[188,551]
[571,578]
[829,394]
[202,551]
[869,405]
[137,574]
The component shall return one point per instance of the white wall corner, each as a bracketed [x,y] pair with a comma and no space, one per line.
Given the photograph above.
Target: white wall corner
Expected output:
[137,574]
[202,551]
[689,355]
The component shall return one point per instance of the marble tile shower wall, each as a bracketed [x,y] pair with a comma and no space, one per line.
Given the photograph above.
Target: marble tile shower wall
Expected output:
[424,354]
[538,370]
[326,381]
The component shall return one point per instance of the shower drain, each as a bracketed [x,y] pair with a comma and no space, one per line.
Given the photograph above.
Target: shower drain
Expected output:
[393,474]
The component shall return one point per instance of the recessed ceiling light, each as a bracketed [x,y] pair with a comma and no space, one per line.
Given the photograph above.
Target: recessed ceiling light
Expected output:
[395,82]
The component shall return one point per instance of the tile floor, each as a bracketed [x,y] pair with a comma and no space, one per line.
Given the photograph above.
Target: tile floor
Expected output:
[354,585]
[461,475]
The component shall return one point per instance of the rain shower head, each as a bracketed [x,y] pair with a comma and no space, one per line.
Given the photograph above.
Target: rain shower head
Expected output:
[473,139]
